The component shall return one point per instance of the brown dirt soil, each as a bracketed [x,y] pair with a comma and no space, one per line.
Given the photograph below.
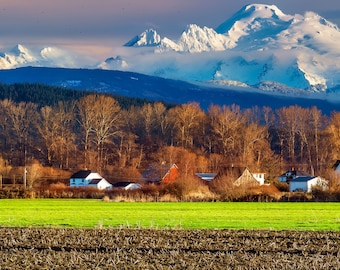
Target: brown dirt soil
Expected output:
[51,248]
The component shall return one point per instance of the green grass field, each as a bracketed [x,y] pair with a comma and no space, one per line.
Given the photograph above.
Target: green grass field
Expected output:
[92,213]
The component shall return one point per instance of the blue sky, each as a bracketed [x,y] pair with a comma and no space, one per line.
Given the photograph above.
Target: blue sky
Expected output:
[108,23]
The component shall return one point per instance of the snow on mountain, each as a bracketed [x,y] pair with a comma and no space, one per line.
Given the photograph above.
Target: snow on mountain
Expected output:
[16,56]
[258,44]
[196,39]
[114,63]
[255,22]
[148,38]
[20,56]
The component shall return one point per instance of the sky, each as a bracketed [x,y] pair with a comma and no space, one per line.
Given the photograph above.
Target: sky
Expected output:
[103,24]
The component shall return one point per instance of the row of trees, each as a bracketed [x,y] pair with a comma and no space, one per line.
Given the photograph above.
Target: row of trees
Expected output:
[94,132]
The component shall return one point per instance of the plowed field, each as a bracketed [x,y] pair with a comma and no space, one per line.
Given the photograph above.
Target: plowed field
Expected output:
[50,248]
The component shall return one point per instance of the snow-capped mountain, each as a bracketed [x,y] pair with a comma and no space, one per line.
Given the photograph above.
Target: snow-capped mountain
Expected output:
[259,44]
[148,38]
[113,63]
[20,56]
[16,56]
[196,39]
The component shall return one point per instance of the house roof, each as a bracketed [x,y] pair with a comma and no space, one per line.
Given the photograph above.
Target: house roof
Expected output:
[127,185]
[246,179]
[156,172]
[294,173]
[122,184]
[95,181]
[81,174]
[206,176]
[302,179]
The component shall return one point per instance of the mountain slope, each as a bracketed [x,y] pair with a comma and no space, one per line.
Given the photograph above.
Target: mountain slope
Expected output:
[155,88]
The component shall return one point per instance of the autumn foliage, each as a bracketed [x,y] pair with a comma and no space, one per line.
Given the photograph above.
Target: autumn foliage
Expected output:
[95,132]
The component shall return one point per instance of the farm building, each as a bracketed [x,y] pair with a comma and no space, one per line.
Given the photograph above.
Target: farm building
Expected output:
[161,173]
[292,174]
[127,185]
[301,181]
[249,179]
[87,178]
[206,176]
[306,183]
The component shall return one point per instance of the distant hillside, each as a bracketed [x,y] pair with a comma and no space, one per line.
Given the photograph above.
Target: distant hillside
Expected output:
[46,95]
[142,87]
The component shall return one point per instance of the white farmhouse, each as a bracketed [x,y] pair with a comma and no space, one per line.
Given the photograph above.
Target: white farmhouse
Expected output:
[307,183]
[87,178]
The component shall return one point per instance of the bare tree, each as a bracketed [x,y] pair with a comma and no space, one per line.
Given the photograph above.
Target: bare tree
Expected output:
[86,110]
[227,123]
[64,117]
[21,117]
[186,118]
[333,130]
[47,128]
[106,123]
[288,122]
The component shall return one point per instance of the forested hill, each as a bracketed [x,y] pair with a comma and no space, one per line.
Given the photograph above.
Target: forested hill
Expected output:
[44,95]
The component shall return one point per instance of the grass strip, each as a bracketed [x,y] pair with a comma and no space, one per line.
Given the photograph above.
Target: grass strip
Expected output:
[88,213]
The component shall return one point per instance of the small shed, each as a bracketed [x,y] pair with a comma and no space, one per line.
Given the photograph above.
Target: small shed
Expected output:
[127,185]
[206,176]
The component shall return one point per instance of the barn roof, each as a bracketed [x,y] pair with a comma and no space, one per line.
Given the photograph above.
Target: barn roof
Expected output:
[95,181]
[81,174]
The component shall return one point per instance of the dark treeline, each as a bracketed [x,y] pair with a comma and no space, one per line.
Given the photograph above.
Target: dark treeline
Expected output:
[43,95]
[73,130]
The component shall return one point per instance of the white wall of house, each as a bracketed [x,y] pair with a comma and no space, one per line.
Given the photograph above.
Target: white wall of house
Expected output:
[307,186]
[298,186]
[259,177]
[102,184]
[84,182]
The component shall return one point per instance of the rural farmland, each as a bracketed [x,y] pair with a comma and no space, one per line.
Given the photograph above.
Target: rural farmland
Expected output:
[93,234]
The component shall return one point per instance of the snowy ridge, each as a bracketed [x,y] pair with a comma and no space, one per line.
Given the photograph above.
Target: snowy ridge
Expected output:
[20,56]
[148,38]
[259,43]
[259,46]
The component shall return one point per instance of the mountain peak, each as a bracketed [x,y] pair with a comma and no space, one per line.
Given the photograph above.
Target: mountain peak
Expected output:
[19,49]
[148,38]
[197,39]
[22,54]
[252,13]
